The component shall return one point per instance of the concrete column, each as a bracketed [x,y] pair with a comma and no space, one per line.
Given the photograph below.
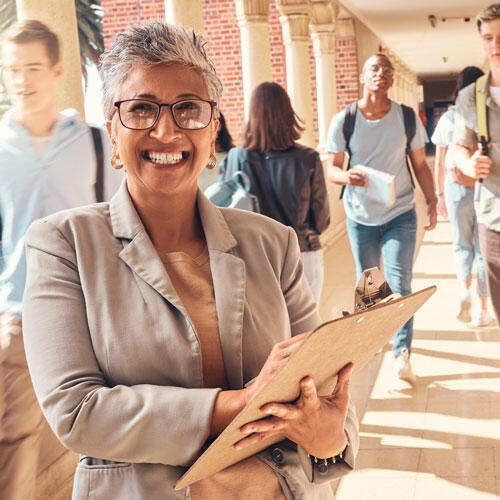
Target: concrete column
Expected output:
[408,87]
[404,79]
[323,21]
[414,94]
[403,85]
[294,18]
[186,13]
[60,16]
[392,57]
[397,81]
[253,20]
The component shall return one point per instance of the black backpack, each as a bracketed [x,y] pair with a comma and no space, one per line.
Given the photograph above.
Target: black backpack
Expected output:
[410,123]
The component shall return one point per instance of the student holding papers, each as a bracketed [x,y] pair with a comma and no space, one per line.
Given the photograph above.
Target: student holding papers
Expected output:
[380,136]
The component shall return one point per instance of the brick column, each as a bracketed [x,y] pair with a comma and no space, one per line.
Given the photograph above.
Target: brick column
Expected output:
[253,20]
[323,19]
[60,16]
[294,18]
[186,13]
[346,63]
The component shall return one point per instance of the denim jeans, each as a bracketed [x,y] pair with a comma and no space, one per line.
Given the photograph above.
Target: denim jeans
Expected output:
[395,243]
[460,206]
[313,269]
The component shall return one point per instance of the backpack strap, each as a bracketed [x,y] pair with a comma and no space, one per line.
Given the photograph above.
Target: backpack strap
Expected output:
[481,110]
[410,123]
[99,159]
[348,129]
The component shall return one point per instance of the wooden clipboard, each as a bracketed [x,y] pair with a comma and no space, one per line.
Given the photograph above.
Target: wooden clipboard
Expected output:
[355,337]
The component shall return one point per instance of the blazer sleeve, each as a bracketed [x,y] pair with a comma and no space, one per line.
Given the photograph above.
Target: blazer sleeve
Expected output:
[140,423]
[319,198]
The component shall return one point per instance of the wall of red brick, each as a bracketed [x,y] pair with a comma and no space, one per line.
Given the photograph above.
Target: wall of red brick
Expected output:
[224,48]
[223,36]
[346,69]
[117,14]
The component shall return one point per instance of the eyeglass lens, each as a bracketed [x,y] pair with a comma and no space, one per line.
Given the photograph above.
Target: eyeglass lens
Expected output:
[386,70]
[190,114]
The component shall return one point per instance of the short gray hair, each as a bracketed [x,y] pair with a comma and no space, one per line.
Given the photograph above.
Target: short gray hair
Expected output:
[154,43]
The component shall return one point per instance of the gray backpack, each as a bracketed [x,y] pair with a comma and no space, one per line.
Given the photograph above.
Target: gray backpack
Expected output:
[233,192]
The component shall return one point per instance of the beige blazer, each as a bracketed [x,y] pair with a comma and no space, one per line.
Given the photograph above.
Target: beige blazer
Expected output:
[115,360]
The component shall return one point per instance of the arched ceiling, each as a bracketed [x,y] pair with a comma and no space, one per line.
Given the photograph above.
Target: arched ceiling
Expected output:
[433,52]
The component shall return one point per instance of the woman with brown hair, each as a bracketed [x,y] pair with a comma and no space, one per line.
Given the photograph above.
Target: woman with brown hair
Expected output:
[286,177]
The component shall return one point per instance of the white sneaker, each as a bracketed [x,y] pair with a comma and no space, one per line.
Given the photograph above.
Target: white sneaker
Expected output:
[481,318]
[402,367]
[464,309]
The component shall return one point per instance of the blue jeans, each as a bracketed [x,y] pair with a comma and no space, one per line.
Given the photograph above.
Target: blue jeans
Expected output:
[395,243]
[460,206]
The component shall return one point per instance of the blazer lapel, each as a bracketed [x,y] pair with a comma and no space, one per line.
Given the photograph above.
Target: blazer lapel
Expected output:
[229,279]
[138,250]
[228,271]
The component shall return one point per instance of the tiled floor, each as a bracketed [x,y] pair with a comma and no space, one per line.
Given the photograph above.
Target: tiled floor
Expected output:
[441,439]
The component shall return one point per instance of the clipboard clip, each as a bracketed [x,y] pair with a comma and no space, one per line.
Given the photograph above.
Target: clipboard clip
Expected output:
[371,289]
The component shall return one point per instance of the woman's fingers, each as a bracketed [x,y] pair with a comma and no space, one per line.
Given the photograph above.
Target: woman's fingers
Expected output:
[283,350]
[253,438]
[343,379]
[283,411]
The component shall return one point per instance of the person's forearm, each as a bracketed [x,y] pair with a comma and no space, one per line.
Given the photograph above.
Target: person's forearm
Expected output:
[461,155]
[337,175]
[426,182]
[227,405]
[439,168]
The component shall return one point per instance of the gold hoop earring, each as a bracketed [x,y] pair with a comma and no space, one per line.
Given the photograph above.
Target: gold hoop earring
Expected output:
[116,163]
[212,161]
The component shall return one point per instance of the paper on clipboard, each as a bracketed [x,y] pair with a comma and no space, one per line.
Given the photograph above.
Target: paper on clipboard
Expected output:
[380,185]
[355,337]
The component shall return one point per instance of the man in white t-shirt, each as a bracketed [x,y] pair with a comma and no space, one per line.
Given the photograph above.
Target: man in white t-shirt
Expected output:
[376,229]
[473,161]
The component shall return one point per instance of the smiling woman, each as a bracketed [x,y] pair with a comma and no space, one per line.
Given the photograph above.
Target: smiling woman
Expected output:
[156,307]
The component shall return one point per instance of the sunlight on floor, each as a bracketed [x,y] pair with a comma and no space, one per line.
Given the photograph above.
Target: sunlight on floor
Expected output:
[440,439]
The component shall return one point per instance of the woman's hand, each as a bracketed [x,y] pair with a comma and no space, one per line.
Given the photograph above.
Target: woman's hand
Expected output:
[229,403]
[314,422]
[278,356]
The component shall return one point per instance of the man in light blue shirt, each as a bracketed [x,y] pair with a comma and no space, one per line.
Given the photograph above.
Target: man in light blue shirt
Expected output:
[47,163]
[375,228]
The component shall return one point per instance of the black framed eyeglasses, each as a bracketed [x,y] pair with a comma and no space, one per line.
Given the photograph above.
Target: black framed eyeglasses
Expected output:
[386,70]
[142,114]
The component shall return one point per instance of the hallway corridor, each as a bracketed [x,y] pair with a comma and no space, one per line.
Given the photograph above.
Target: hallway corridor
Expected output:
[441,439]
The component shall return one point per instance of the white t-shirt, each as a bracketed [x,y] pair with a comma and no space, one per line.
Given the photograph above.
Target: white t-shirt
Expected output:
[495,94]
[379,144]
[443,136]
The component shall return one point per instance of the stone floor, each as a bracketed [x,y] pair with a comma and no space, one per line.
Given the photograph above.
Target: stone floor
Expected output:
[441,439]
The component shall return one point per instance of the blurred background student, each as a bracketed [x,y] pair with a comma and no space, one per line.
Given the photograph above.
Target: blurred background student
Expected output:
[455,192]
[286,177]
[223,144]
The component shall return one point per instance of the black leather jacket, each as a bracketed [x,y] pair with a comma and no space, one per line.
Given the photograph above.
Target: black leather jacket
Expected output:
[290,187]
